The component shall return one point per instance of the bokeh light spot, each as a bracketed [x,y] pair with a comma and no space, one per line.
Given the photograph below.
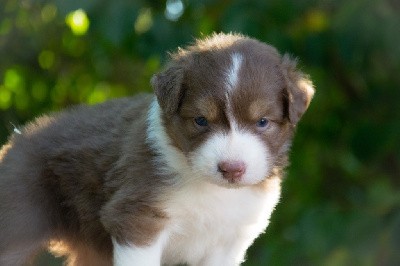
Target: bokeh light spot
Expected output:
[12,79]
[100,93]
[144,21]
[46,59]
[78,21]
[174,9]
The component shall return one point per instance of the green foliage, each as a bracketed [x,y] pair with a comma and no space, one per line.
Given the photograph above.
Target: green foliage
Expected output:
[341,200]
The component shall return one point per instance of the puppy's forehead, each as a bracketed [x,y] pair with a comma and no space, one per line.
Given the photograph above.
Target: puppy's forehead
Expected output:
[244,77]
[245,65]
[256,69]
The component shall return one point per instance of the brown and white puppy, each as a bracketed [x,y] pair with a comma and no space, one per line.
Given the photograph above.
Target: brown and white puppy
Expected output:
[188,176]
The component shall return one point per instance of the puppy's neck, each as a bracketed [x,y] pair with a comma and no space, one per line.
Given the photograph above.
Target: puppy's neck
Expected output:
[171,160]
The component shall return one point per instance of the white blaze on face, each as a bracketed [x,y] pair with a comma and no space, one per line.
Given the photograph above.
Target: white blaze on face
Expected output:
[232,75]
[236,146]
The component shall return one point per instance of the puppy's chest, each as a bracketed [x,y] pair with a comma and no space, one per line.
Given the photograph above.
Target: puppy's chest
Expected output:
[205,217]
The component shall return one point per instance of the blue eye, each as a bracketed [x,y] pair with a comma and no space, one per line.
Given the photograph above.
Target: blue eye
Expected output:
[263,122]
[201,121]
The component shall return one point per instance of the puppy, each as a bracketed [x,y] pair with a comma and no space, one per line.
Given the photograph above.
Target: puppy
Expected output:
[189,175]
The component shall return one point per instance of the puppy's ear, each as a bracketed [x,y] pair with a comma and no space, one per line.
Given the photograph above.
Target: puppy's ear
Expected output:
[167,86]
[299,89]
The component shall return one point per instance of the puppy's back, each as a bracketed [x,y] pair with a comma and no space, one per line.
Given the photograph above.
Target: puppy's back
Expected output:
[51,175]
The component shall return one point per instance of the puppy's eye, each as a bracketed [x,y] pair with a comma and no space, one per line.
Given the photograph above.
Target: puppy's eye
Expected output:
[262,123]
[201,121]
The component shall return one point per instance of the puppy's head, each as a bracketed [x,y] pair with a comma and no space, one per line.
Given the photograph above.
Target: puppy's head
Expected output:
[230,104]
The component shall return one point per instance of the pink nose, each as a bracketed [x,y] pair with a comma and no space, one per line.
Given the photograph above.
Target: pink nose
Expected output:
[232,170]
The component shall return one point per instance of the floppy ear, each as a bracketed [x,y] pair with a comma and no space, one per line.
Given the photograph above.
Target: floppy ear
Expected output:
[299,89]
[167,86]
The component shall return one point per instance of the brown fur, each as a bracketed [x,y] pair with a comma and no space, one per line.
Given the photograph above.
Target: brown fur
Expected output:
[79,177]
[270,86]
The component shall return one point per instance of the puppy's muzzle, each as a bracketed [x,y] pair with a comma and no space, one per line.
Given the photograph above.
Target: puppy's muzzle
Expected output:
[232,171]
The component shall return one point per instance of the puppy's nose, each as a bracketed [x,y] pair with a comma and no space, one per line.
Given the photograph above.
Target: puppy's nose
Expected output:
[232,170]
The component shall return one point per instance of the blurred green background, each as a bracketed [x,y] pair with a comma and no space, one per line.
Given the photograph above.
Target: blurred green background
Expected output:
[341,199]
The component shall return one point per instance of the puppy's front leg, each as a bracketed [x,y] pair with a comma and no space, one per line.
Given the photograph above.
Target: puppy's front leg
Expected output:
[137,228]
[148,255]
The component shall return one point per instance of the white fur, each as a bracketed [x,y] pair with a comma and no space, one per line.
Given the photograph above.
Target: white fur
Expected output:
[16,130]
[145,256]
[203,164]
[232,78]
[235,146]
[214,225]
[159,141]
[232,74]
[209,224]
